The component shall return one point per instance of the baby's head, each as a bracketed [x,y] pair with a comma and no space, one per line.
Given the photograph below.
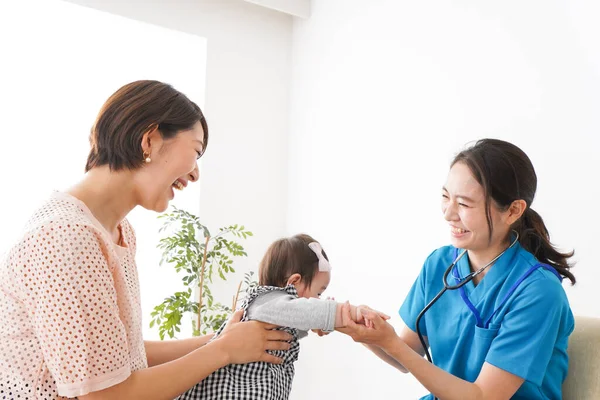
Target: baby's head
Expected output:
[299,261]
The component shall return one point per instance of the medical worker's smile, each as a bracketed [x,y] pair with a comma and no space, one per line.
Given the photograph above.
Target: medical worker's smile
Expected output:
[458,232]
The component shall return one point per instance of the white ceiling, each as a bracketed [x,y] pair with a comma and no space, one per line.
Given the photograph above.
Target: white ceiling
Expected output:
[297,8]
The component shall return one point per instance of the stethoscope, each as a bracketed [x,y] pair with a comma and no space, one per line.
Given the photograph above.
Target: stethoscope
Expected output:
[461,282]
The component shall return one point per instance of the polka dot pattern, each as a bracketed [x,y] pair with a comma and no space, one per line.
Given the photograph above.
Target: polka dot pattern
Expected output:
[69,306]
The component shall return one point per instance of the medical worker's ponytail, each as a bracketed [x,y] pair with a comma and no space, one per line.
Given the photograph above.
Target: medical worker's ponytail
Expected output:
[507,174]
[534,237]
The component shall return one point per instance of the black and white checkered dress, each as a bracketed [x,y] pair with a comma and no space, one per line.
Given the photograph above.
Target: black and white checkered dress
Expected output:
[258,380]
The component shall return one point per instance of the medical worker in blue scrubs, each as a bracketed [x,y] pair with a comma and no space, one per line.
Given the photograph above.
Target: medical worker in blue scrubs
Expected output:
[503,335]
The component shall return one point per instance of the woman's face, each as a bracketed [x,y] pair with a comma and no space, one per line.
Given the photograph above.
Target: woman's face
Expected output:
[173,165]
[463,205]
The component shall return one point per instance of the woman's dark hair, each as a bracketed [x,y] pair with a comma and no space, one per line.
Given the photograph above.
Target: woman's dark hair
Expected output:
[287,257]
[133,110]
[506,174]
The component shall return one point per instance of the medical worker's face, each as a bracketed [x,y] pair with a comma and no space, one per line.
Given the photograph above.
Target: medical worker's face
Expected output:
[463,205]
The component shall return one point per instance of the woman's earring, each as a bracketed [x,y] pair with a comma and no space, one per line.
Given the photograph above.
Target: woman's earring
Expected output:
[147,158]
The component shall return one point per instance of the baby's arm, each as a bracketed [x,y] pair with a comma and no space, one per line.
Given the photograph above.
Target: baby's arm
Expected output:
[282,309]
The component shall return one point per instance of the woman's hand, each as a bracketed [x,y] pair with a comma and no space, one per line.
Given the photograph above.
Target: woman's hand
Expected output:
[249,341]
[378,333]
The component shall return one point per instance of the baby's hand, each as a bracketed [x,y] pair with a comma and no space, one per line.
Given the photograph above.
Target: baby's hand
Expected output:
[360,318]
[357,316]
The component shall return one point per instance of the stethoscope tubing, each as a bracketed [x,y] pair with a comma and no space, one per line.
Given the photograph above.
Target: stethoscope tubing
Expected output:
[447,286]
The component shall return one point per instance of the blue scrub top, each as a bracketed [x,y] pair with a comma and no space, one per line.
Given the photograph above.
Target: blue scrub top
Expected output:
[527,336]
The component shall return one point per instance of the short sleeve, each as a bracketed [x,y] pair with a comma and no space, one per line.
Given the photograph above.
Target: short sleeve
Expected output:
[415,301]
[72,302]
[530,329]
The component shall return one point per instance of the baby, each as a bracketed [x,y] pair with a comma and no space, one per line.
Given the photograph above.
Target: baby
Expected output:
[293,274]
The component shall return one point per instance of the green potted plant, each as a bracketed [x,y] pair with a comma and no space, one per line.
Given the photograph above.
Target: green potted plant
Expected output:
[198,256]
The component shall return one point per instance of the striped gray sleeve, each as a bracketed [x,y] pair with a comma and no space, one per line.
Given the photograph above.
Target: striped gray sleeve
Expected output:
[280,308]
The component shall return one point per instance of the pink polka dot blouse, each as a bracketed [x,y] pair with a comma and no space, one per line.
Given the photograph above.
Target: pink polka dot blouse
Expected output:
[70,315]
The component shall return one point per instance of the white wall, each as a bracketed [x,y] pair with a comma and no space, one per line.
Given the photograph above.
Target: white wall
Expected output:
[243,176]
[384,93]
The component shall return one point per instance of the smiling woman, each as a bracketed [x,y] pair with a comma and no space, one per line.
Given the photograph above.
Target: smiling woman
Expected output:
[171,130]
[504,333]
[74,268]
[66,95]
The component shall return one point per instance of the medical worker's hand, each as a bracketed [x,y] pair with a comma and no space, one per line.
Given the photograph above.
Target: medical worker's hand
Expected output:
[378,334]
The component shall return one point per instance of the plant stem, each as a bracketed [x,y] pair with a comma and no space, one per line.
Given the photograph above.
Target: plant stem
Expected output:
[235,298]
[202,281]
[222,233]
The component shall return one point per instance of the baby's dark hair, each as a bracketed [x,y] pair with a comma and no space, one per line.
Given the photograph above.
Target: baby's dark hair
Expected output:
[287,257]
